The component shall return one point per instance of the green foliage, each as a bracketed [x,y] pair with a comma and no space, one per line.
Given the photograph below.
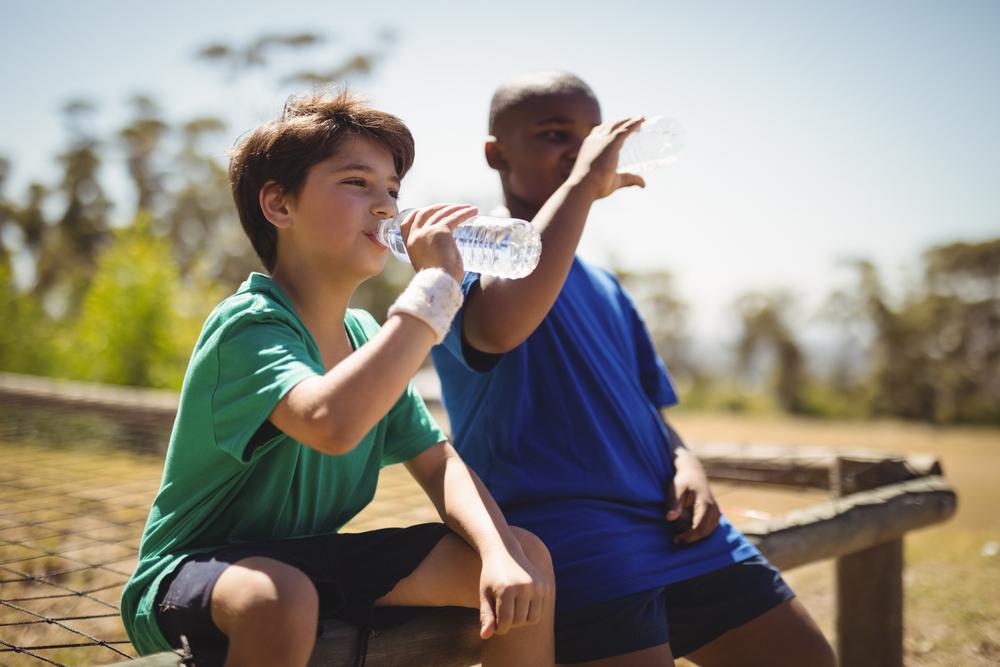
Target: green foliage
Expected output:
[26,345]
[722,394]
[936,355]
[131,330]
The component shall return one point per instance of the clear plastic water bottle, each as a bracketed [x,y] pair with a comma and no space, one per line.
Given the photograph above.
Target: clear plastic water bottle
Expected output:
[502,247]
[655,144]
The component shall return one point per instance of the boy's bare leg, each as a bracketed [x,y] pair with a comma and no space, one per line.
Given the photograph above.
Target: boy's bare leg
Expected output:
[268,610]
[785,635]
[449,576]
[656,656]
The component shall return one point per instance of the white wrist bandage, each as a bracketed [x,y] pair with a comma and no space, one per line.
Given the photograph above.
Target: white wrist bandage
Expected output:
[433,297]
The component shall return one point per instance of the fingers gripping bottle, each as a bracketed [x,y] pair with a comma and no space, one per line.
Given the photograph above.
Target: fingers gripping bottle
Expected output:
[501,247]
[655,144]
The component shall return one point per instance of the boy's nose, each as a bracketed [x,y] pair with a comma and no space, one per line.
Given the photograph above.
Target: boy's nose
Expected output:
[385,207]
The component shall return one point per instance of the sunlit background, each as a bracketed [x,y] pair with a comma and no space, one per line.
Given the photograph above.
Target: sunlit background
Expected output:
[816,132]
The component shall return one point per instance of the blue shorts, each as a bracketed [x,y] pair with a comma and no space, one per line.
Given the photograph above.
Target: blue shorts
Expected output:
[687,614]
[350,571]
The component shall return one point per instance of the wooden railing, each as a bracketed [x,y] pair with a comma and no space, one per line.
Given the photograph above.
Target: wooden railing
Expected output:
[875,500]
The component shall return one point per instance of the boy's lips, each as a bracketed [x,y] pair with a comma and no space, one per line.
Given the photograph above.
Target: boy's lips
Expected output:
[373,237]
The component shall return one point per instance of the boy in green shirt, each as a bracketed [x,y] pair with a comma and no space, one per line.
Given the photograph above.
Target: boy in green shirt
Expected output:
[292,403]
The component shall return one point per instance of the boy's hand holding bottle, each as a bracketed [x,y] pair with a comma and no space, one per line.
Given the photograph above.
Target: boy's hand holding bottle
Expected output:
[597,161]
[427,233]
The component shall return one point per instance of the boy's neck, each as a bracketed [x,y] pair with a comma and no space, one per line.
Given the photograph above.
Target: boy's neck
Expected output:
[319,301]
[520,208]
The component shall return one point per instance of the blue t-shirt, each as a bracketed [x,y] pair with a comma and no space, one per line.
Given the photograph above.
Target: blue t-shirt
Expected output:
[565,431]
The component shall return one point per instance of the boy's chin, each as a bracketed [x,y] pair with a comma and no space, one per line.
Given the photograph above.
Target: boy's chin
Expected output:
[373,271]
[533,200]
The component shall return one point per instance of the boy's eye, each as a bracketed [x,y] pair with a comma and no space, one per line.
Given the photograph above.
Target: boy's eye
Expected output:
[355,181]
[554,136]
[394,194]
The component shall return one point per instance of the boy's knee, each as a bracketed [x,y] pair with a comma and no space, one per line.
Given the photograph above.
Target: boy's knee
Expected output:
[264,594]
[534,549]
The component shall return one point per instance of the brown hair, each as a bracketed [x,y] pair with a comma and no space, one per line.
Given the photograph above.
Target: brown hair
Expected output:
[309,131]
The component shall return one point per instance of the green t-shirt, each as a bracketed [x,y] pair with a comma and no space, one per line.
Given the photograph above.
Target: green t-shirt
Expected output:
[230,477]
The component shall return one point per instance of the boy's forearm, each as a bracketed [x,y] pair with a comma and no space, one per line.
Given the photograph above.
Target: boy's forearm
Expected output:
[502,313]
[465,505]
[333,412]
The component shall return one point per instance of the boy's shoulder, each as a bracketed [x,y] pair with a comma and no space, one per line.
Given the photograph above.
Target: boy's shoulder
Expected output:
[258,299]
[597,277]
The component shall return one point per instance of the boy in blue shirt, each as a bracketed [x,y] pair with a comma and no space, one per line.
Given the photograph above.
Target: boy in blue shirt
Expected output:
[554,390]
[291,404]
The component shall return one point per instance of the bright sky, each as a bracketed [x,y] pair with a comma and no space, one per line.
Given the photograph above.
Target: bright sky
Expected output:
[815,131]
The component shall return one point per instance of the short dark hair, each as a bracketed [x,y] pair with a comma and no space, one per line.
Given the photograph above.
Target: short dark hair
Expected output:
[310,130]
[523,87]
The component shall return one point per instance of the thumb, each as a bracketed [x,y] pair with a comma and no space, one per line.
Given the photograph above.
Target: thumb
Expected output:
[487,618]
[625,179]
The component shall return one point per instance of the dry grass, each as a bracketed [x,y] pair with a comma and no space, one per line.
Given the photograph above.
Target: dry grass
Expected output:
[70,520]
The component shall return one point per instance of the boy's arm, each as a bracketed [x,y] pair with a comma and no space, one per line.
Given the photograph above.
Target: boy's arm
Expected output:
[500,313]
[508,581]
[334,411]
[691,498]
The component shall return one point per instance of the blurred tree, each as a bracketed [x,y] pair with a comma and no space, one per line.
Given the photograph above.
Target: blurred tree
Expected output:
[131,330]
[967,271]
[259,52]
[26,335]
[665,315]
[200,220]
[936,355]
[361,63]
[142,138]
[238,59]
[765,327]
[66,251]
[7,209]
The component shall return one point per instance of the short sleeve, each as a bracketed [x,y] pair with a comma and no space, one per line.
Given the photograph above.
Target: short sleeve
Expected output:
[456,344]
[259,361]
[411,428]
[653,375]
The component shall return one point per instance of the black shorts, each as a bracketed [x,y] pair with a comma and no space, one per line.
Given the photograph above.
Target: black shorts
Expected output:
[688,614]
[350,571]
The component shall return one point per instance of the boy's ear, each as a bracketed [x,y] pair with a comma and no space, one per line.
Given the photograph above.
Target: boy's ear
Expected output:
[494,154]
[273,204]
